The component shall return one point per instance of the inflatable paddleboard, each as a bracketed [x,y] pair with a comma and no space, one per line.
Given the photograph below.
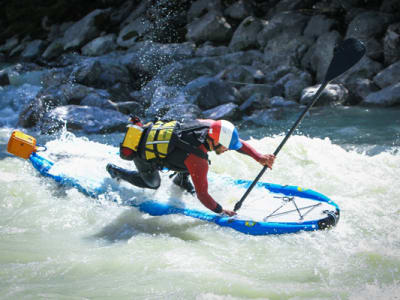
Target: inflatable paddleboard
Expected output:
[276,209]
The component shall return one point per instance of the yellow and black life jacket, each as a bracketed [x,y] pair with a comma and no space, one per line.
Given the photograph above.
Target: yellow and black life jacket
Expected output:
[156,141]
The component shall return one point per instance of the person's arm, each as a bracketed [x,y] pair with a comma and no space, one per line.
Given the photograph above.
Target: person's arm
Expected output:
[198,169]
[264,159]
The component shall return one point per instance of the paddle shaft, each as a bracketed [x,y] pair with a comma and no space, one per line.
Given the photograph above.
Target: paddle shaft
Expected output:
[278,149]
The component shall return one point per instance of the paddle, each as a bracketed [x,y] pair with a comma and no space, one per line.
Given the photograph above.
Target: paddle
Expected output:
[346,55]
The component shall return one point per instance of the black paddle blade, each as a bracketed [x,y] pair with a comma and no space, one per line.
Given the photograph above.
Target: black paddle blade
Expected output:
[346,55]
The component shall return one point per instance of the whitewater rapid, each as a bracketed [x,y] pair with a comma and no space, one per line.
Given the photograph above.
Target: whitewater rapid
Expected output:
[58,243]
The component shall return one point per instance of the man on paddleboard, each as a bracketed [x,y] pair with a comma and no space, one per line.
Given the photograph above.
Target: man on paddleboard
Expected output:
[181,147]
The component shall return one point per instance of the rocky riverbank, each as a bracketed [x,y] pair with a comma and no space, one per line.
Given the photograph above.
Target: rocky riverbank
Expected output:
[238,60]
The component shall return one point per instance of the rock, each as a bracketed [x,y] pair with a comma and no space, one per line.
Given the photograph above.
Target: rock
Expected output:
[245,36]
[365,68]
[389,96]
[391,44]
[368,24]
[201,7]
[94,99]
[239,10]
[86,118]
[225,111]
[264,117]
[33,50]
[333,94]
[240,74]
[248,90]
[256,101]
[209,92]
[208,50]
[319,56]
[319,25]
[183,112]
[130,108]
[359,89]
[278,101]
[388,76]
[54,50]
[100,45]
[283,39]
[85,29]
[293,84]
[133,31]
[211,27]
[10,44]
[4,80]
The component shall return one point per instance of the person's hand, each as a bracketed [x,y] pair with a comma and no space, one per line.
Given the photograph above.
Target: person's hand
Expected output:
[230,213]
[267,160]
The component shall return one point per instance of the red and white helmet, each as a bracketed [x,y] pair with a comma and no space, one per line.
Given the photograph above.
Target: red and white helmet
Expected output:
[224,132]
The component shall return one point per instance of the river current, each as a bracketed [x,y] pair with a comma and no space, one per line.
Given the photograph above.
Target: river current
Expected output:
[56,243]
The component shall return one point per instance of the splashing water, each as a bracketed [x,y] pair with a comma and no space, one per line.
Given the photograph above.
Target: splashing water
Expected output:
[59,243]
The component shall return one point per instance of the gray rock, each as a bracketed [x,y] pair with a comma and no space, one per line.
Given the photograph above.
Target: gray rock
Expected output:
[248,90]
[333,94]
[211,27]
[54,50]
[225,111]
[100,45]
[85,29]
[10,44]
[133,31]
[245,36]
[239,10]
[86,118]
[208,50]
[320,54]
[33,49]
[256,101]
[278,101]
[264,117]
[388,76]
[368,24]
[208,92]
[319,25]
[201,7]
[391,44]
[4,80]
[389,96]
[94,99]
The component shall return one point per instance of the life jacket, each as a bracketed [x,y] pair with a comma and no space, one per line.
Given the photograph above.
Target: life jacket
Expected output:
[164,143]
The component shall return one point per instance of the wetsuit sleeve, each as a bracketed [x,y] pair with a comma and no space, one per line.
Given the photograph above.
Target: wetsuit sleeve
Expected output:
[198,169]
[249,150]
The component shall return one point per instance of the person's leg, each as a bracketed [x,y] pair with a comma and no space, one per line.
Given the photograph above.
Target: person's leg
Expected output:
[145,177]
[182,179]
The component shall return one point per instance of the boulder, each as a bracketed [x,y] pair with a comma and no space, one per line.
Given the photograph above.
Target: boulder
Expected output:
[209,92]
[391,44]
[245,36]
[211,27]
[333,94]
[389,96]
[388,76]
[85,29]
[86,118]
[100,45]
[225,111]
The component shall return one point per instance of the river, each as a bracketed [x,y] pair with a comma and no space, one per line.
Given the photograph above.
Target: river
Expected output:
[57,243]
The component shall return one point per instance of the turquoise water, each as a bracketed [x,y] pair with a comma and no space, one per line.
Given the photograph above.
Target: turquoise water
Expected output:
[56,243]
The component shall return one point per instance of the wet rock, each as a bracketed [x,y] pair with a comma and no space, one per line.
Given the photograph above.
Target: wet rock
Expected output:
[278,101]
[389,96]
[101,101]
[33,50]
[333,94]
[86,118]
[264,117]
[85,30]
[245,36]
[10,44]
[100,45]
[391,44]
[208,92]
[255,102]
[211,27]
[201,7]
[133,32]
[4,80]
[388,76]
[239,10]
[225,111]
[318,25]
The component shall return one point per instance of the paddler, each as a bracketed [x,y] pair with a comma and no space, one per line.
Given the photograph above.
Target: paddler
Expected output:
[181,147]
